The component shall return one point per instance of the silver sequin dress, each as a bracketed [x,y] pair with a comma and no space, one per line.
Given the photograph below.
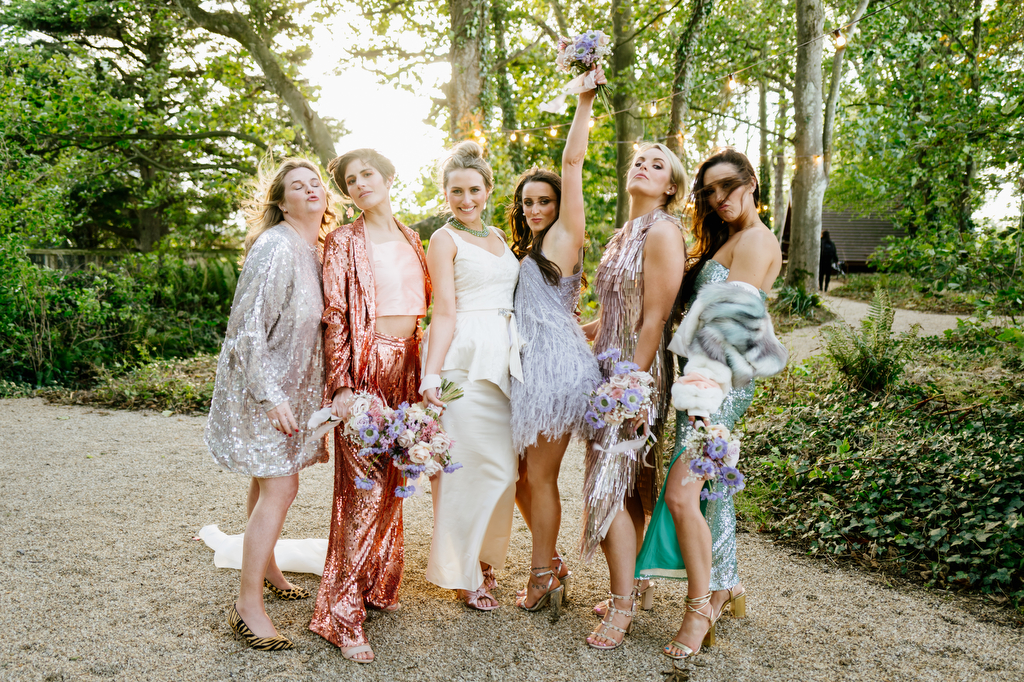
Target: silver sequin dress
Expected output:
[558,368]
[273,351]
[610,477]
[660,556]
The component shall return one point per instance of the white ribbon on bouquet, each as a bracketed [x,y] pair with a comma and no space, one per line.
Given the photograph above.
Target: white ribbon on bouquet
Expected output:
[626,446]
[581,83]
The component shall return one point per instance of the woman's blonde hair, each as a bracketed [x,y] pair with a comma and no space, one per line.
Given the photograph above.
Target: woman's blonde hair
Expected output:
[466,155]
[677,176]
[263,210]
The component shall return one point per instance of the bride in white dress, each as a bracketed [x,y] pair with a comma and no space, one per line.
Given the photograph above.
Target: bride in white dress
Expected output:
[472,342]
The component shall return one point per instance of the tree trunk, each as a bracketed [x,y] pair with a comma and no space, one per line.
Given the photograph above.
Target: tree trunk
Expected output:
[833,93]
[627,122]
[809,179]
[237,27]
[682,83]
[764,171]
[506,98]
[779,200]
[964,219]
[468,27]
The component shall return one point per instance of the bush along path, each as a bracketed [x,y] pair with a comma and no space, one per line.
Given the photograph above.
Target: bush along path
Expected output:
[918,472]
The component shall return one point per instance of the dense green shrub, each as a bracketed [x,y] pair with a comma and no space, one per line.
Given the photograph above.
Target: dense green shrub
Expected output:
[927,478]
[795,301]
[984,263]
[869,358]
[58,327]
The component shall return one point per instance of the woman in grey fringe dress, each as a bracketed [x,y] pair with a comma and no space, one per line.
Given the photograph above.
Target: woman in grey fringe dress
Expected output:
[548,222]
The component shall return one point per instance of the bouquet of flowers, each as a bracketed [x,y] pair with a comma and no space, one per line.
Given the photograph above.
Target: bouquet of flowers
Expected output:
[623,396]
[577,55]
[713,457]
[410,434]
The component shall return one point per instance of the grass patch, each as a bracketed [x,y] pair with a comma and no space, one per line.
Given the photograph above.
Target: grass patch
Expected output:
[907,293]
[924,479]
[794,307]
[179,385]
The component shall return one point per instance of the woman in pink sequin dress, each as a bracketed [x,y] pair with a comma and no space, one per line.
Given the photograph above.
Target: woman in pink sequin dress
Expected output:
[376,290]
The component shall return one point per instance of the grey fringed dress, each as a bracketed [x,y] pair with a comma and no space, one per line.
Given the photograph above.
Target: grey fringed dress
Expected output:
[273,351]
[558,368]
[610,477]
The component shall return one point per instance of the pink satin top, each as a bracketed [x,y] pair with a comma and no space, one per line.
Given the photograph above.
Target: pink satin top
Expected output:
[398,280]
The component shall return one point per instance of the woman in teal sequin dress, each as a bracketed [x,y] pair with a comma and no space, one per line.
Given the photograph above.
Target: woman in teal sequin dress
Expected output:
[732,245]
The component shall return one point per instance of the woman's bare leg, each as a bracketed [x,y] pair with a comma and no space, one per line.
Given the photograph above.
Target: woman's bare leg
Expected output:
[274,574]
[544,461]
[275,496]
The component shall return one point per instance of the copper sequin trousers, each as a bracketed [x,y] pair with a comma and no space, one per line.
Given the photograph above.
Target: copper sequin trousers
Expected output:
[366,550]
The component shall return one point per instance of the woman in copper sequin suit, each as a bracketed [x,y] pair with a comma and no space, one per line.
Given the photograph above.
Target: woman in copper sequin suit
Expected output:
[270,377]
[637,282]
[376,290]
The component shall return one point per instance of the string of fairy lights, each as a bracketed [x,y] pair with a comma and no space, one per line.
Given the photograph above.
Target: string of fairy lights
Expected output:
[730,83]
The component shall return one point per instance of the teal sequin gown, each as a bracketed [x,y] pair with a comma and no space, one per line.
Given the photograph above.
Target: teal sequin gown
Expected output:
[660,556]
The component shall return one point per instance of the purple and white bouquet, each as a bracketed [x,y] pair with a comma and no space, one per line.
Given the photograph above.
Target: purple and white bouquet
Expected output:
[713,455]
[411,435]
[625,393]
[578,55]
[419,445]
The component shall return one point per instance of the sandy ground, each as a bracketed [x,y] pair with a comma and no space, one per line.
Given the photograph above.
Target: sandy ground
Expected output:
[100,579]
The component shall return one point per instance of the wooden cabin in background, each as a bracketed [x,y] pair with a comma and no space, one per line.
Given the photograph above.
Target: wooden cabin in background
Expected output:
[856,236]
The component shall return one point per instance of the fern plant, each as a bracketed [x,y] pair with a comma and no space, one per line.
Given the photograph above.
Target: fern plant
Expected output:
[870,358]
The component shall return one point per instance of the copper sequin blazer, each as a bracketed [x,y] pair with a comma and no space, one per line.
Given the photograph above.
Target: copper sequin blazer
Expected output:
[349,306]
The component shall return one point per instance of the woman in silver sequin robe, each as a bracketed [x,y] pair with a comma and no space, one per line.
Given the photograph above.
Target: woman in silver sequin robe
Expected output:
[548,224]
[637,280]
[270,376]
[731,244]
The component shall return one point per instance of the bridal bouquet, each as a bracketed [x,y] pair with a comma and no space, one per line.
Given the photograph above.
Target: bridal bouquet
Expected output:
[577,55]
[410,434]
[623,396]
[713,457]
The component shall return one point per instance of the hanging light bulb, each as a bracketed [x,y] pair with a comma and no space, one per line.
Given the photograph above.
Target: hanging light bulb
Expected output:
[636,146]
[477,132]
[512,137]
[526,137]
[840,38]
[553,132]
[732,81]
[482,140]
[592,122]
[654,108]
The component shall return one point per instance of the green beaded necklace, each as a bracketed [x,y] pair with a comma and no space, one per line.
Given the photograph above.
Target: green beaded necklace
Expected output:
[454,222]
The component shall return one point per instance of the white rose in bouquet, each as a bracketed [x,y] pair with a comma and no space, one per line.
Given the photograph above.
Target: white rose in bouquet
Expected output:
[407,438]
[440,443]
[732,455]
[719,431]
[360,404]
[420,453]
[620,381]
[431,468]
[416,412]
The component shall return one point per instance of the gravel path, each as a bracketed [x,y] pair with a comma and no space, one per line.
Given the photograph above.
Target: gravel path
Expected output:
[805,342]
[101,579]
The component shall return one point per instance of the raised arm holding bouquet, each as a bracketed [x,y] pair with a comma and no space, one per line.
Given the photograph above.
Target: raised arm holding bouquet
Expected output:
[728,340]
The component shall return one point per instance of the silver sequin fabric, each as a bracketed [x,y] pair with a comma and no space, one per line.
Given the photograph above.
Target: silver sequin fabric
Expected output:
[610,477]
[558,368]
[273,352]
[721,514]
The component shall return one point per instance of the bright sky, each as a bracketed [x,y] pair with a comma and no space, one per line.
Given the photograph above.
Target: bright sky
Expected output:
[382,117]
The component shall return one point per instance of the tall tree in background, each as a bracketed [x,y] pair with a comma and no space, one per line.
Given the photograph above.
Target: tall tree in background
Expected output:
[685,66]
[256,31]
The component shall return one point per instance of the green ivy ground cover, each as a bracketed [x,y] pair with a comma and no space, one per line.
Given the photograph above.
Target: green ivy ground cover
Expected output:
[927,478]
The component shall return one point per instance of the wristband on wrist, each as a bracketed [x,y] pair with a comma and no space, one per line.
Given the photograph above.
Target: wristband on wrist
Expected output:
[430,381]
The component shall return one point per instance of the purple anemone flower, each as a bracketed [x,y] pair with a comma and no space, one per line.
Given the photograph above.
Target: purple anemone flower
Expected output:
[364,483]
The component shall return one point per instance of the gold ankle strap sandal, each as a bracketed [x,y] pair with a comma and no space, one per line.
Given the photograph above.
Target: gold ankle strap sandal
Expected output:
[606,624]
[679,651]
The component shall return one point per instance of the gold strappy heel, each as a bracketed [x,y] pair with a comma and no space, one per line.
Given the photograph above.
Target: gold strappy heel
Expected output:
[737,604]
[694,605]
[553,595]
[602,629]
